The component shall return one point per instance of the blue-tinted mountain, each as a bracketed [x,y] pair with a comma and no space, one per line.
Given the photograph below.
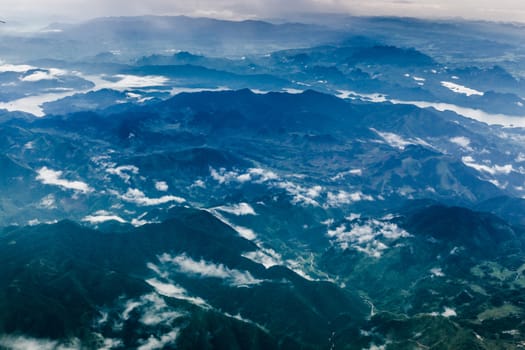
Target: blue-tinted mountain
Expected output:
[355,183]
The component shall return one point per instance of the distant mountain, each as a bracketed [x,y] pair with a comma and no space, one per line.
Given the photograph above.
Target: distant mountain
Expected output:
[129,36]
[391,55]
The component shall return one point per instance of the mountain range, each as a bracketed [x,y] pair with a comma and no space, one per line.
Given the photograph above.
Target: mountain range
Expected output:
[273,186]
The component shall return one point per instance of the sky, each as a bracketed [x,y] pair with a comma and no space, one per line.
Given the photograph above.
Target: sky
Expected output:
[46,11]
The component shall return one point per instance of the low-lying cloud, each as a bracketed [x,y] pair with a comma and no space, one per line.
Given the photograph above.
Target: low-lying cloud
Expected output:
[367,236]
[27,343]
[138,197]
[205,269]
[240,209]
[51,177]
[102,216]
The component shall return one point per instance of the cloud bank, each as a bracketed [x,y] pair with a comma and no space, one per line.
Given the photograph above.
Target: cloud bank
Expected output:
[52,10]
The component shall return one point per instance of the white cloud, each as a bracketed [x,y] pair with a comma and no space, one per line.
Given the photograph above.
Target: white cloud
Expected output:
[48,202]
[256,175]
[342,175]
[356,216]
[269,257]
[110,343]
[122,171]
[460,89]
[35,222]
[377,98]
[314,192]
[222,176]
[15,68]
[328,222]
[138,97]
[205,269]
[238,317]
[103,216]
[52,177]
[377,347]
[437,272]
[37,76]
[179,90]
[462,141]
[129,307]
[449,312]
[367,236]
[198,184]
[161,186]
[159,343]
[238,209]
[138,197]
[520,158]
[343,197]
[293,91]
[396,141]
[262,175]
[172,290]
[492,170]
[259,91]
[300,194]
[297,266]
[265,256]
[27,343]
[502,185]
[244,232]
[137,222]
[124,82]
[44,74]
[154,313]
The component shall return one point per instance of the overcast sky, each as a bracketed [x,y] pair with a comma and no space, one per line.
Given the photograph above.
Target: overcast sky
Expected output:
[61,10]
